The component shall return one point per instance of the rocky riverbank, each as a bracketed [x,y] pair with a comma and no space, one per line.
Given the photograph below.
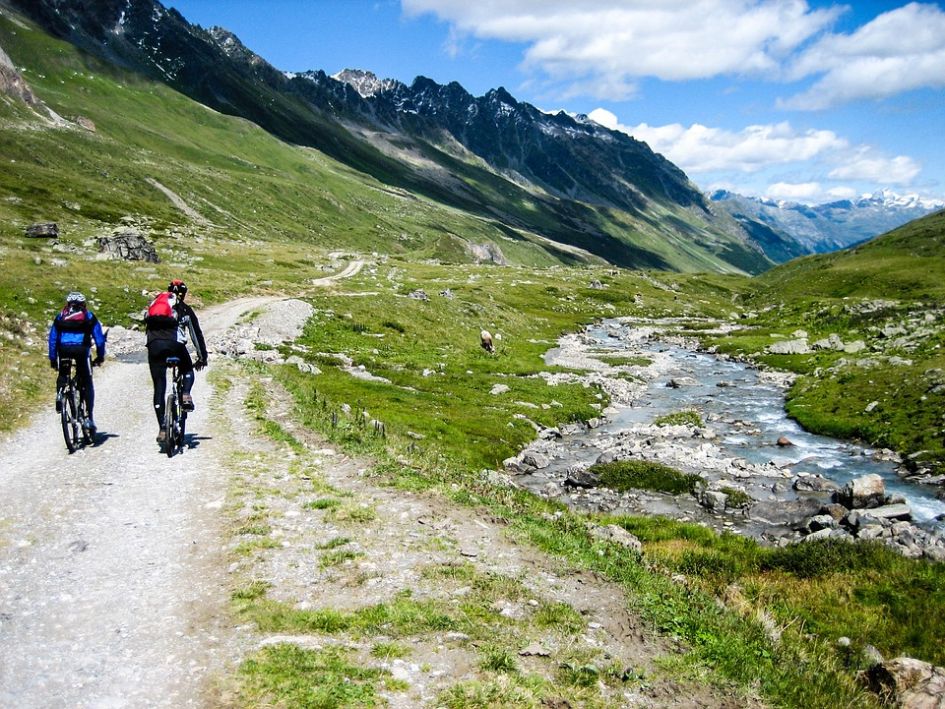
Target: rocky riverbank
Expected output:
[775,490]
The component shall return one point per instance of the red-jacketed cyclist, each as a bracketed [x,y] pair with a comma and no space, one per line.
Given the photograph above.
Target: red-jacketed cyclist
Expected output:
[168,323]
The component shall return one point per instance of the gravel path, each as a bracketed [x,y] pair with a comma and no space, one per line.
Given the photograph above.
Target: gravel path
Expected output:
[112,577]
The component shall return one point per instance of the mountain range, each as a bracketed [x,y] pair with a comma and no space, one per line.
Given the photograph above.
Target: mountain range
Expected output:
[824,227]
[563,184]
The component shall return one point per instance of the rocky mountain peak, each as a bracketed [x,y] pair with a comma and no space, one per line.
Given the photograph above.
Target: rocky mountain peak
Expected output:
[233,47]
[366,83]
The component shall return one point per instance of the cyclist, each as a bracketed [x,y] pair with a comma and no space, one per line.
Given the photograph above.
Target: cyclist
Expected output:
[168,322]
[70,340]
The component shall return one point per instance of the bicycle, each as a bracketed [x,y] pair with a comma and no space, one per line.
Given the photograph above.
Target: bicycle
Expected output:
[73,413]
[175,416]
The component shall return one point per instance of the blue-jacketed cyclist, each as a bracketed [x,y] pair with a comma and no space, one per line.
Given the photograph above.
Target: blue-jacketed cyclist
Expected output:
[71,336]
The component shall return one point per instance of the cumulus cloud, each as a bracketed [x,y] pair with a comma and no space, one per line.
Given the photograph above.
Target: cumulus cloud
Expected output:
[900,50]
[699,149]
[795,192]
[900,170]
[757,149]
[620,41]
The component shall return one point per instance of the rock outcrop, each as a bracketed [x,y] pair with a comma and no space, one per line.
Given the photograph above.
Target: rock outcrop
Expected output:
[129,246]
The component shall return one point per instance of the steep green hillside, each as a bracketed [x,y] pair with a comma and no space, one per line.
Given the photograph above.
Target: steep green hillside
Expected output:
[883,379]
[604,194]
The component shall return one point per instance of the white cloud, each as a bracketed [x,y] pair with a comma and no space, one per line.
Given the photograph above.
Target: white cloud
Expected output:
[701,150]
[842,193]
[795,192]
[619,41]
[900,50]
[900,170]
[698,148]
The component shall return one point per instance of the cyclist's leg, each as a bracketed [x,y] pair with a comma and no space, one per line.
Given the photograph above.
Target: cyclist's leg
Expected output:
[157,363]
[187,375]
[84,378]
[186,368]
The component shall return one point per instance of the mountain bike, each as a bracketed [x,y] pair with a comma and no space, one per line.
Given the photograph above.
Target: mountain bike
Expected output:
[175,417]
[73,413]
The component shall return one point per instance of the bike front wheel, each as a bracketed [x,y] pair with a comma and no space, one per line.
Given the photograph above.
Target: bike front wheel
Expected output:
[70,421]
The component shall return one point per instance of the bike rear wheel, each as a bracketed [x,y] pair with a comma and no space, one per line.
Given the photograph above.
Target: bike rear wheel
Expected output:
[69,418]
[170,425]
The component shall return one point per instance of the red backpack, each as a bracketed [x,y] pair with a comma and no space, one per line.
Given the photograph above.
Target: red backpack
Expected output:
[161,312]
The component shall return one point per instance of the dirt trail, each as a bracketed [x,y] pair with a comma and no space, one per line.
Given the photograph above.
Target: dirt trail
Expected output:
[110,590]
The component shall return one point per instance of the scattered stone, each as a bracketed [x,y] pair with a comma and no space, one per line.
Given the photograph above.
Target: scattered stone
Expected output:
[45,230]
[85,123]
[535,649]
[499,389]
[784,442]
[418,294]
[907,683]
[618,535]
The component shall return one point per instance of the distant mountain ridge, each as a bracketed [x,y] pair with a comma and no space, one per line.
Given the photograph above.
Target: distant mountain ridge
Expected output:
[826,227]
[566,180]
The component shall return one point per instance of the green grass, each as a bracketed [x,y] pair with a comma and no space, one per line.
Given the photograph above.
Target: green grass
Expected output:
[680,418]
[623,475]
[287,675]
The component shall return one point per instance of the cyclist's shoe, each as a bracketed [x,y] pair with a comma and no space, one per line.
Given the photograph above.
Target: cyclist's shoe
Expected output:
[92,428]
[187,401]
[162,436]
[59,403]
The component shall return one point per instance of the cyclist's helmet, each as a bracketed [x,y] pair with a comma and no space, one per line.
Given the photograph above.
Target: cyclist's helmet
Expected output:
[177,286]
[75,299]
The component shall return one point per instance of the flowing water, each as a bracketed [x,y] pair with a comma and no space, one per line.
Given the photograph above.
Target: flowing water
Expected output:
[748,416]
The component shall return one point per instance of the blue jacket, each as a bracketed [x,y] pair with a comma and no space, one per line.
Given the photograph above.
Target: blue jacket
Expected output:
[71,332]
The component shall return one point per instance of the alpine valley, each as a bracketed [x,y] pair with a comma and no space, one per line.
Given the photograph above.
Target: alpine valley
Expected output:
[424,469]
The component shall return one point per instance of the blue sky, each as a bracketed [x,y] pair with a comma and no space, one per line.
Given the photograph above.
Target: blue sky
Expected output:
[806,101]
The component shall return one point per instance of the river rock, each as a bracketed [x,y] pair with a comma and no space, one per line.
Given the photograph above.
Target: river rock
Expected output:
[893,512]
[862,493]
[784,442]
[677,382]
[815,524]
[581,478]
[536,460]
[814,483]
[908,683]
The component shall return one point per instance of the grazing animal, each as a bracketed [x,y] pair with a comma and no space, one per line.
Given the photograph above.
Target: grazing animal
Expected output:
[485,339]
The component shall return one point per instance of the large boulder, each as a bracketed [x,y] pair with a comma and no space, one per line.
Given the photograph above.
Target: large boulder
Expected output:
[798,346]
[863,492]
[44,230]
[129,246]
[908,683]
